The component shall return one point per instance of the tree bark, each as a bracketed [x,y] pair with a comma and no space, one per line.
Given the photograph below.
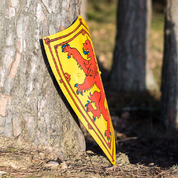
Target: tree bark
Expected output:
[83,9]
[30,107]
[169,87]
[128,72]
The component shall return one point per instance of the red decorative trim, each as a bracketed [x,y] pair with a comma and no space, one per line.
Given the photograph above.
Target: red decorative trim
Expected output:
[90,127]
[47,40]
[80,32]
[81,23]
[67,76]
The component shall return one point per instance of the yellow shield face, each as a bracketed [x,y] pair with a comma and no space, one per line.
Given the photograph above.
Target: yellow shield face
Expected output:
[72,59]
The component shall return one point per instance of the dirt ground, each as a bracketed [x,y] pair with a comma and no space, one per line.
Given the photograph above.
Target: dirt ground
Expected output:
[139,154]
[141,159]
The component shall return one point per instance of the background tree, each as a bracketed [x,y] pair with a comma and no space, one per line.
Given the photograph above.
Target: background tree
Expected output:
[128,71]
[169,88]
[30,107]
[83,9]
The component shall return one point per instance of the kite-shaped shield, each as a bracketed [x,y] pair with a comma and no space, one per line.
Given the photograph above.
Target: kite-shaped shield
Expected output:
[71,56]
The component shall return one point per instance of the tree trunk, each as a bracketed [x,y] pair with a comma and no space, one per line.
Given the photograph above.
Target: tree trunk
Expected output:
[129,62]
[83,9]
[169,88]
[30,107]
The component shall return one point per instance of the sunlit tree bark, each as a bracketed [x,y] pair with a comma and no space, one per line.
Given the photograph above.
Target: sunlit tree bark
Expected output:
[83,9]
[30,107]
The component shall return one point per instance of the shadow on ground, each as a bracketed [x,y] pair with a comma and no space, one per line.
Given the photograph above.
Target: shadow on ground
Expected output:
[141,142]
[139,133]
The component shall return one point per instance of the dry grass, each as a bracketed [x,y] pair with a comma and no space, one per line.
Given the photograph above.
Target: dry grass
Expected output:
[86,164]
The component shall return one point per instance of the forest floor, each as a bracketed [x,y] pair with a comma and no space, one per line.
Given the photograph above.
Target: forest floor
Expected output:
[143,148]
[139,154]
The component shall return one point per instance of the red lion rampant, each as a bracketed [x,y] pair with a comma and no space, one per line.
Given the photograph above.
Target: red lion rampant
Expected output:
[92,77]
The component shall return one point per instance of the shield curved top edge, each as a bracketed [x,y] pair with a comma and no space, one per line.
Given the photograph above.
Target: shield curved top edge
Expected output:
[79,20]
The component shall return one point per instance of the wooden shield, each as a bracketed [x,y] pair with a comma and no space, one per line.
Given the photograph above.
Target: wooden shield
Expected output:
[72,59]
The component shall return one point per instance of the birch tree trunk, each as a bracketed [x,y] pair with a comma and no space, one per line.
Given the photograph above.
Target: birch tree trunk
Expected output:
[128,72]
[169,88]
[30,107]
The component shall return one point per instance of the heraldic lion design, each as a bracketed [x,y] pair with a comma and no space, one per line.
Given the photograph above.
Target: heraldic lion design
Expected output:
[91,70]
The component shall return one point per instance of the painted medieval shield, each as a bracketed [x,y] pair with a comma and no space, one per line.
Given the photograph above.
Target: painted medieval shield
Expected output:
[73,62]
